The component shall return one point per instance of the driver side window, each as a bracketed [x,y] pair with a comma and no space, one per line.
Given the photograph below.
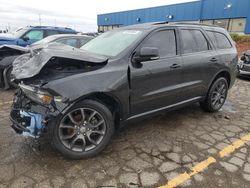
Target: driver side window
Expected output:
[34,35]
[165,41]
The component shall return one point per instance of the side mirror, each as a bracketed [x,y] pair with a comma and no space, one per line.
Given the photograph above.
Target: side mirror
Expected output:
[147,54]
[25,39]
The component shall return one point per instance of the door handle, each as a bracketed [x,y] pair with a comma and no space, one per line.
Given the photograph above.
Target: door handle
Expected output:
[213,59]
[175,66]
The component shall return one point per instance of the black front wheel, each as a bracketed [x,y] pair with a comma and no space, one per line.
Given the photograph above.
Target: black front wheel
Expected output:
[84,131]
[216,96]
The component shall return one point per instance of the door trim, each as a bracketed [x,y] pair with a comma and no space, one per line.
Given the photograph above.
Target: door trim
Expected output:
[166,107]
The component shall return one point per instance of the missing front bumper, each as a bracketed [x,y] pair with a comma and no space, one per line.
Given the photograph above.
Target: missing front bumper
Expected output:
[27,123]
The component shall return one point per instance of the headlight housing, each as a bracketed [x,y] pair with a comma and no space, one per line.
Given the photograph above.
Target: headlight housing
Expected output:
[37,95]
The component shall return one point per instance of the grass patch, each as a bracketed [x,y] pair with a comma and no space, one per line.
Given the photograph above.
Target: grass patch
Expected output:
[240,38]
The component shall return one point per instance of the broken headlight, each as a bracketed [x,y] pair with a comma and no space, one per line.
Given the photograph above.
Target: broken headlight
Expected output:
[37,95]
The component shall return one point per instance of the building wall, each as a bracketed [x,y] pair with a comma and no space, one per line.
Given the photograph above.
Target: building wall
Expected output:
[191,11]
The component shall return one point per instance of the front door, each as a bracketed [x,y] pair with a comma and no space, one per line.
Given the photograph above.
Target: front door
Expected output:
[155,84]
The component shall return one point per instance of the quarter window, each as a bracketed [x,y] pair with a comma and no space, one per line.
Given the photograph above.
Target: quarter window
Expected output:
[219,40]
[193,41]
[165,41]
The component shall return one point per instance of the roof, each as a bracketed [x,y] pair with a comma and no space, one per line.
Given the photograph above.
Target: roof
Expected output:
[52,28]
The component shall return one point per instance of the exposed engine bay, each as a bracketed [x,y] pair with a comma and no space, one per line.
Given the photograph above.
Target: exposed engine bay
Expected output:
[58,67]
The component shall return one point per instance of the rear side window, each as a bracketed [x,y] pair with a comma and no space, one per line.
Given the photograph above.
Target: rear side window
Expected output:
[220,40]
[165,41]
[193,41]
[83,41]
[70,42]
[52,32]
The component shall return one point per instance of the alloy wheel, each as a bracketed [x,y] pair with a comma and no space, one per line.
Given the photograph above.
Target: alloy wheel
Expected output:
[82,129]
[218,96]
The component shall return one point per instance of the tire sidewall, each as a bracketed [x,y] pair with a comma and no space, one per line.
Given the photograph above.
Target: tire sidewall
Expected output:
[108,118]
[11,84]
[214,85]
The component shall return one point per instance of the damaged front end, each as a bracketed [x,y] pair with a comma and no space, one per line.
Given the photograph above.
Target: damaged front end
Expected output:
[31,111]
[36,105]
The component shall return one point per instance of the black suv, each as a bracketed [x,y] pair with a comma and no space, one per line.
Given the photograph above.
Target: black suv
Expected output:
[79,96]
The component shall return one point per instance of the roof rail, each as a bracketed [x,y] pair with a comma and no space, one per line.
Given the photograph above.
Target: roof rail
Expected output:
[160,23]
[189,23]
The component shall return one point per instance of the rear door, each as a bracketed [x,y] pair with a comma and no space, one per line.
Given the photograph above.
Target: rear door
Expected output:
[228,56]
[155,84]
[199,63]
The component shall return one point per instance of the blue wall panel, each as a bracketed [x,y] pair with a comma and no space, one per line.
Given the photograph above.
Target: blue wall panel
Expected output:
[192,11]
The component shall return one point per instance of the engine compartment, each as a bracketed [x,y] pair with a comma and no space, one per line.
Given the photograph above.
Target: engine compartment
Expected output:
[58,67]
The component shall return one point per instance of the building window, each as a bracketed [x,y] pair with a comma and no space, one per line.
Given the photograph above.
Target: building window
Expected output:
[100,29]
[237,25]
[208,22]
[224,23]
[104,28]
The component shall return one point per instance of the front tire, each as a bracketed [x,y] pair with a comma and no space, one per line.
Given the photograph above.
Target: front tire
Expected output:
[84,130]
[12,84]
[216,96]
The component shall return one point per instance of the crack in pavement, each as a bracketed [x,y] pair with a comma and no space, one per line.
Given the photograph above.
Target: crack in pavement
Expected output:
[206,163]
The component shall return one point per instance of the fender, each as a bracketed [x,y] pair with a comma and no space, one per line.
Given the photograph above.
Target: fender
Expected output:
[216,75]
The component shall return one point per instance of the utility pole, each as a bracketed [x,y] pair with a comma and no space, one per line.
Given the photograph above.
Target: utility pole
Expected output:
[40,20]
[201,9]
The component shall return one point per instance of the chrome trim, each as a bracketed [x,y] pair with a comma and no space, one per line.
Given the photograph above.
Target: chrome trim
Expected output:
[164,108]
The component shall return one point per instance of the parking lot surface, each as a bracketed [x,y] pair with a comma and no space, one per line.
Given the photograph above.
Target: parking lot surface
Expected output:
[208,149]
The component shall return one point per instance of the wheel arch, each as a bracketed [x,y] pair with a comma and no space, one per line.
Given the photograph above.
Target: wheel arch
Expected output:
[224,73]
[110,101]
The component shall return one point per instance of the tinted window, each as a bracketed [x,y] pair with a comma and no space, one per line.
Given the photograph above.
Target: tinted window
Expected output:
[193,41]
[219,40]
[163,40]
[34,35]
[70,42]
[83,41]
[51,32]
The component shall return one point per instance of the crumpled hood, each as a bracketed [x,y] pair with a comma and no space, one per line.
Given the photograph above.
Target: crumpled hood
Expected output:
[4,48]
[7,38]
[30,64]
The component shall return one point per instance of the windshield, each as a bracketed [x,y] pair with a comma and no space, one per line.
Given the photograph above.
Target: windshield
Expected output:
[112,43]
[20,32]
[44,41]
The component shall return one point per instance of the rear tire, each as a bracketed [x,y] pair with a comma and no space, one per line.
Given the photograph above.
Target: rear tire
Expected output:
[83,131]
[216,96]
